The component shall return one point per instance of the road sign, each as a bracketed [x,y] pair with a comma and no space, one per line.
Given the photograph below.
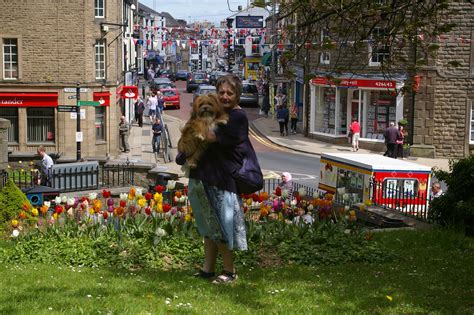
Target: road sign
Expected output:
[73,90]
[88,103]
[67,109]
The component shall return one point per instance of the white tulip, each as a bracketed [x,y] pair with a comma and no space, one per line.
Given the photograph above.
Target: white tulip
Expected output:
[57,200]
[92,195]
[293,202]
[310,207]
[160,232]
[70,201]
[63,199]
[171,184]
[123,196]
[139,192]
[302,192]
[47,204]
[15,233]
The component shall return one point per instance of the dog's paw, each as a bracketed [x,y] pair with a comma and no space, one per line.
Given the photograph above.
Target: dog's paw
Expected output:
[200,137]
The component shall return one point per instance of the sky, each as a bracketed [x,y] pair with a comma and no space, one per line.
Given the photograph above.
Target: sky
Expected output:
[196,10]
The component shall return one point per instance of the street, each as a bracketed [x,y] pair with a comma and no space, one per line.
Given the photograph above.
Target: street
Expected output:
[273,159]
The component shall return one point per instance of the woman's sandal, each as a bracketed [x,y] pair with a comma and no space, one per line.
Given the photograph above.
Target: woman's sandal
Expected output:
[204,275]
[225,277]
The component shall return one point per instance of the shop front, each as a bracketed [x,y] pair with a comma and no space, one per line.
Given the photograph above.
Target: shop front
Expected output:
[373,102]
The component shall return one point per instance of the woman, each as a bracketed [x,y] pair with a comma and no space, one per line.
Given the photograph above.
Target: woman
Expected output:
[212,192]
[283,116]
[156,128]
[293,118]
[286,184]
[400,141]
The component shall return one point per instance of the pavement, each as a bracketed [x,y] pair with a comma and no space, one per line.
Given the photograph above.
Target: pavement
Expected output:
[141,151]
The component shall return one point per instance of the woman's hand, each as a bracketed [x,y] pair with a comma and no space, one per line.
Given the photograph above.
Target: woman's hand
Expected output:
[211,136]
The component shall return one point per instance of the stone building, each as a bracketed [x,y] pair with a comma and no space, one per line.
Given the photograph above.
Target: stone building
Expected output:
[51,47]
[440,113]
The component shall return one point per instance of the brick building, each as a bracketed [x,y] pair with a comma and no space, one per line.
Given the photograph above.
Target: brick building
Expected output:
[48,48]
[440,114]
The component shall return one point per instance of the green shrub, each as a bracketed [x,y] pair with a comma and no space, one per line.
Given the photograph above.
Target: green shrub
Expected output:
[12,200]
[456,206]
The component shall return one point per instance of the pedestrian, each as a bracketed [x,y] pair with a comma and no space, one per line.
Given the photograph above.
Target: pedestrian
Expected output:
[283,116]
[156,128]
[293,118]
[213,194]
[151,73]
[152,105]
[436,190]
[161,102]
[46,165]
[266,99]
[124,132]
[139,109]
[355,131]
[400,141]
[391,136]
[286,184]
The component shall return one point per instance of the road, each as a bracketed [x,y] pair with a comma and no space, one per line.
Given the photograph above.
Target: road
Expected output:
[273,159]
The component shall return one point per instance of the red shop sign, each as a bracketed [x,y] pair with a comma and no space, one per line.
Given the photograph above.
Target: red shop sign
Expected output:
[34,99]
[129,91]
[356,83]
[102,97]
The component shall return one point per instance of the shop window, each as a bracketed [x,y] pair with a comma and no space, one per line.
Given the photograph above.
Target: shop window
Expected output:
[471,138]
[100,123]
[400,187]
[99,8]
[100,59]
[326,110]
[378,50]
[40,124]
[350,187]
[342,113]
[380,112]
[10,58]
[11,114]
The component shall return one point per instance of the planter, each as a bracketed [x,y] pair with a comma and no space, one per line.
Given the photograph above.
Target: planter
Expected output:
[406,152]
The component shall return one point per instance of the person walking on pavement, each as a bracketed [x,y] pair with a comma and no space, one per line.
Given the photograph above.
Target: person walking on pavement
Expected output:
[355,131]
[283,116]
[139,109]
[391,136]
[152,105]
[156,128]
[266,99]
[46,165]
[161,102]
[293,118]
[124,132]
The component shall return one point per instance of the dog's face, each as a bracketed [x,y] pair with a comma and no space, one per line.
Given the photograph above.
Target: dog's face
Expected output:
[206,106]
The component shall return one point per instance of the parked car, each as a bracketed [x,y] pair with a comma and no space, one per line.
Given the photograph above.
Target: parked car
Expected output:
[203,90]
[171,98]
[166,73]
[181,75]
[214,76]
[195,79]
[249,95]
[161,83]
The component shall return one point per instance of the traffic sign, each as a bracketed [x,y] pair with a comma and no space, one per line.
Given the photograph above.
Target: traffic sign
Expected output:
[67,109]
[88,103]
[73,90]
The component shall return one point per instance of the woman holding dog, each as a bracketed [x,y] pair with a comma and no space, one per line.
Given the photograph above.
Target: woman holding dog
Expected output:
[213,193]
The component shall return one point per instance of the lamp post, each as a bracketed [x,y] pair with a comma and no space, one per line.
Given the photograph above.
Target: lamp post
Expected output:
[229,31]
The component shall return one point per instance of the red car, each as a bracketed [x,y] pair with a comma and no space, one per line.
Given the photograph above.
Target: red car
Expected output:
[171,98]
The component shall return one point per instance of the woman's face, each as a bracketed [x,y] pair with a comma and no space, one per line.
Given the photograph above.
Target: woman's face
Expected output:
[227,96]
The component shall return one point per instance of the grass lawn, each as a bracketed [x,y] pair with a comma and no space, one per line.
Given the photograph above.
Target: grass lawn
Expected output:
[433,274]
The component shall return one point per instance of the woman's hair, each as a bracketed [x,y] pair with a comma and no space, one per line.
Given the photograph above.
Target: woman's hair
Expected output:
[287,176]
[233,81]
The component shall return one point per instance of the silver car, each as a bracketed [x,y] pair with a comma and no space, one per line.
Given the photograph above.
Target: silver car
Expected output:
[249,95]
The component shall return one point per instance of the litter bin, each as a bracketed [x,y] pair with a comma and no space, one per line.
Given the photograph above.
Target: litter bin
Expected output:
[162,178]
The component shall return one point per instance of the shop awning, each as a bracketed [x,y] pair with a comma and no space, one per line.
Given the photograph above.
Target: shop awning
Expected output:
[25,99]
[266,59]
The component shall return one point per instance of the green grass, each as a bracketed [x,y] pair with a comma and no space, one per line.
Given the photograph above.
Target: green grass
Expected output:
[433,274]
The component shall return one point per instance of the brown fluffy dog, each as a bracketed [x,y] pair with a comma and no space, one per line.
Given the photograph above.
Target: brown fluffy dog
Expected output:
[206,115]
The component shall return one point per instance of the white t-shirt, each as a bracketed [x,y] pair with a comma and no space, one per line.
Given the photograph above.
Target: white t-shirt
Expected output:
[46,164]
[153,102]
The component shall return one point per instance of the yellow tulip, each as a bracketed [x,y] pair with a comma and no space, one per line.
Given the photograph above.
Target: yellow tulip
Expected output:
[248,202]
[15,223]
[187,217]
[141,202]
[34,212]
[130,197]
[158,197]
[55,216]
[159,208]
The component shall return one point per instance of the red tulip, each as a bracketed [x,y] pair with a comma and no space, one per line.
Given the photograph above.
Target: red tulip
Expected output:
[278,191]
[106,193]
[255,197]
[105,215]
[186,190]
[22,215]
[148,196]
[148,210]
[58,209]
[123,203]
[159,189]
[246,209]
[25,206]
[166,207]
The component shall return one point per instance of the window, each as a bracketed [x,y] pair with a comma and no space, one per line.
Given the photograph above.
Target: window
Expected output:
[378,50]
[400,187]
[40,124]
[99,8]
[325,57]
[100,59]
[11,114]
[10,58]
[471,138]
[100,123]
